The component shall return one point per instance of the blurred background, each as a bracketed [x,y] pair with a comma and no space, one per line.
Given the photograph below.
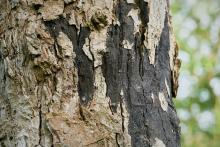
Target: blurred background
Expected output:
[197,29]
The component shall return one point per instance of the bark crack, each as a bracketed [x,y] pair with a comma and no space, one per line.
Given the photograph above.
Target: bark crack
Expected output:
[116,138]
[40,114]
[122,115]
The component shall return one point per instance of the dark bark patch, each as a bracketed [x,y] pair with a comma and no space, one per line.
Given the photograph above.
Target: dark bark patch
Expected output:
[85,68]
[131,72]
[111,66]
[37,7]
[115,59]
[83,63]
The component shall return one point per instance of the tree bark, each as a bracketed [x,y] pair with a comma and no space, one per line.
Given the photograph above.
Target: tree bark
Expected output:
[95,73]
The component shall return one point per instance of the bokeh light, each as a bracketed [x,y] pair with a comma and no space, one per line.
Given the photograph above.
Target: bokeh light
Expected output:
[197,29]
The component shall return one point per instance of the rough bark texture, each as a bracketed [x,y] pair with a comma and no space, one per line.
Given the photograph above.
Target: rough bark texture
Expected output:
[94,73]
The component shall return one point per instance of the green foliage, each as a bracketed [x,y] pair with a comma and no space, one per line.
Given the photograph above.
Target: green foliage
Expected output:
[197,29]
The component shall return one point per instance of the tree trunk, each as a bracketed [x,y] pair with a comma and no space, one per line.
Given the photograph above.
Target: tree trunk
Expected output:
[95,73]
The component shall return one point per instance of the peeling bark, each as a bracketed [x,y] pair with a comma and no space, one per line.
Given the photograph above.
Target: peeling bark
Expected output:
[87,73]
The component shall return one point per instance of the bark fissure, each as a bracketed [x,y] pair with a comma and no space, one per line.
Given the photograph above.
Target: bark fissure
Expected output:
[116,138]
[122,116]
[40,124]
[40,114]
